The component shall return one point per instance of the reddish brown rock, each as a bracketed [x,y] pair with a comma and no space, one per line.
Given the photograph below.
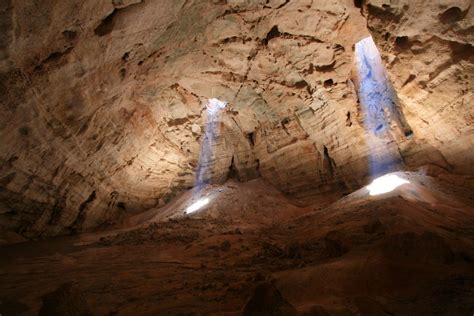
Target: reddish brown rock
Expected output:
[103,104]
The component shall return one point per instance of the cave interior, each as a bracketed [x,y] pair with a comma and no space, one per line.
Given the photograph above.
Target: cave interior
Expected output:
[236,157]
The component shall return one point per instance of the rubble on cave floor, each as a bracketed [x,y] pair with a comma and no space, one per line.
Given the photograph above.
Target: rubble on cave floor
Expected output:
[362,254]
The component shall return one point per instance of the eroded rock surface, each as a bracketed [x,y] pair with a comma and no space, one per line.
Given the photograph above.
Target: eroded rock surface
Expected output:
[103,105]
[429,53]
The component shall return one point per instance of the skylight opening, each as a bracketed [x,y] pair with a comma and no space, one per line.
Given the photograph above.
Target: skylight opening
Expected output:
[215,105]
[385,184]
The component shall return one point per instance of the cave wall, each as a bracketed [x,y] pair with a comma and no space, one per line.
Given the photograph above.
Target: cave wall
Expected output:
[104,102]
[427,47]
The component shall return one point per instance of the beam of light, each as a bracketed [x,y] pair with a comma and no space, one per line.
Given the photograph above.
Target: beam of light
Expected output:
[385,184]
[206,155]
[376,93]
[211,132]
[378,101]
[197,205]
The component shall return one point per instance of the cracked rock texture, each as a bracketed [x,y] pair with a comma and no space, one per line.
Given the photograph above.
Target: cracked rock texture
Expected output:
[103,103]
[428,50]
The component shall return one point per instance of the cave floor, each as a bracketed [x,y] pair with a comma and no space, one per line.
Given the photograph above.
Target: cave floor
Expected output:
[406,252]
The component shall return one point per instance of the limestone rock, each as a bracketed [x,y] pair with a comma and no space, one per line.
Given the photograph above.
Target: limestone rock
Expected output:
[428,50]
[103,103]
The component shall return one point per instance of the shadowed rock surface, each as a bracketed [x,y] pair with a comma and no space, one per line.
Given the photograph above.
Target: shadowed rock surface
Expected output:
[66,300]
[267,300]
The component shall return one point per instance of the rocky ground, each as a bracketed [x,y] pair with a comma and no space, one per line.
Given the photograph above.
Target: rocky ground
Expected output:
[253,251]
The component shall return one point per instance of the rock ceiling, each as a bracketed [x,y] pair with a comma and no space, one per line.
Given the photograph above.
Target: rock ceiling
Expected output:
[103,102]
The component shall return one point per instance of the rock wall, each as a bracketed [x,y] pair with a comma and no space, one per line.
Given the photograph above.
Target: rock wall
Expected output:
[104,102]
[428,51]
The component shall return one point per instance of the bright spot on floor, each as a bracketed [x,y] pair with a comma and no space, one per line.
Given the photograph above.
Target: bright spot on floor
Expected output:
[197,205]
[385,184]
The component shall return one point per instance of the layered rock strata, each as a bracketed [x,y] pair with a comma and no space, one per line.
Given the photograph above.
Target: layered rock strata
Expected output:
[103,104]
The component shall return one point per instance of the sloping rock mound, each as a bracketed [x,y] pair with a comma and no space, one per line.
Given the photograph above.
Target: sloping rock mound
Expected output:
[268,301]
[67,300]
[405,252]
[426,248]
